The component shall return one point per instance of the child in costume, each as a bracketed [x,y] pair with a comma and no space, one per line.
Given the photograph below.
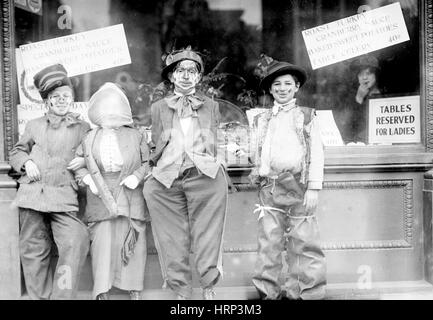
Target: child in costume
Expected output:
[47,196]
[288,154]
[187,192]
[116,157]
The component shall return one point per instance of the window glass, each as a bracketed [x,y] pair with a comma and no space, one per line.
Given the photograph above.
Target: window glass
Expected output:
[232,34]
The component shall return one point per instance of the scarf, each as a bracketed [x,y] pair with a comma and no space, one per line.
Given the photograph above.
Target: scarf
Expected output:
[55,121]
[185,105]
[283,107]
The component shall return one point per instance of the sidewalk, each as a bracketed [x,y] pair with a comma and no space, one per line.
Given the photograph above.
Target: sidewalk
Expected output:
[410,290]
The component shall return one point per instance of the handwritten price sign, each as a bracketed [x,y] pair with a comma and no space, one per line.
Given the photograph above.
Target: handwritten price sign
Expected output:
[80,52]
[355,35]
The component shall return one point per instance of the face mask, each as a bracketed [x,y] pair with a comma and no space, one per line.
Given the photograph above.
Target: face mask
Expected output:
[109,107]
[185,76]
[59,101]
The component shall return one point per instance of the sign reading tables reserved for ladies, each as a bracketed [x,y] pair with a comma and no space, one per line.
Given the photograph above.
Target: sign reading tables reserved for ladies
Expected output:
[79,53]
[394,120]
[355,35]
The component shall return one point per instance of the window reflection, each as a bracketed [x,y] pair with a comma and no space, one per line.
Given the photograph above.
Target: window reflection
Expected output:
[232,34]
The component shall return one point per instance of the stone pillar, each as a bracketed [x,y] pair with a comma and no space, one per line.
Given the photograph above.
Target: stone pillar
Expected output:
[10,276]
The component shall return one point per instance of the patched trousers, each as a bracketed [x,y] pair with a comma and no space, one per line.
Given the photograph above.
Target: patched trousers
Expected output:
[188,217]
[37,232]
[284,225]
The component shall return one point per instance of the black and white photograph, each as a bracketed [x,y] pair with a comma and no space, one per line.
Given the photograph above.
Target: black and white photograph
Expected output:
[228,150]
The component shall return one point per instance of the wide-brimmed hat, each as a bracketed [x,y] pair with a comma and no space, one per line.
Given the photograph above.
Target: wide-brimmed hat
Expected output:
[185,54]
[279,68]
[364,62]
[51,78]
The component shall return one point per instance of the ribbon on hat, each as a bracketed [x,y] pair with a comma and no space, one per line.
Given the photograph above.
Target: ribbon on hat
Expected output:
[185,105]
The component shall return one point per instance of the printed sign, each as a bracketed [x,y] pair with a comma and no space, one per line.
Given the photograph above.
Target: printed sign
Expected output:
[80,53]
[328,128]
[394,120]
[34,6]
[27,112]
[355,35]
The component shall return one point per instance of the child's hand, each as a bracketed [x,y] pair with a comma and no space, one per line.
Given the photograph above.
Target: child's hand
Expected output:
[91,184]
[130,181]
[32,171]
[76,163]
[311,199]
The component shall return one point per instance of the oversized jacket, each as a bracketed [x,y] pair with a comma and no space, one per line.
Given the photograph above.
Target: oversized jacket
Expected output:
[162,123]
[124,201]
[51,149]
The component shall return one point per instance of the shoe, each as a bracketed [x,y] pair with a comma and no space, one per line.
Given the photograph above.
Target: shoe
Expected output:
[103,296]
[208,293]
[135,295]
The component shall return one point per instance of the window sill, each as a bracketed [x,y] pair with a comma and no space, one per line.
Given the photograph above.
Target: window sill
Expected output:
[368,159]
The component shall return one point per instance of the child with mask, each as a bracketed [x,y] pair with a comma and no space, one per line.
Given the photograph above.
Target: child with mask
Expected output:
[116,157]
[47,196]
[187,191]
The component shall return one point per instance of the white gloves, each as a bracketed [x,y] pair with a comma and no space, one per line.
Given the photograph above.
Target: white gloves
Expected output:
[76,163]
[89,181]
[130,181]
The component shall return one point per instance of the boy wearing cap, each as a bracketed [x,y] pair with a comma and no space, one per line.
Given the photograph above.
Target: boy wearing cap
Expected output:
[187,191]
[47,196]
[289,167]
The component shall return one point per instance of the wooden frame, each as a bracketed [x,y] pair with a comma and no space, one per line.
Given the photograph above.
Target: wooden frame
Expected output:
[7,79]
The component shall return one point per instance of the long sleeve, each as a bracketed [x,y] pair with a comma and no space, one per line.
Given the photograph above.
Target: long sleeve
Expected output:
[156,133]
[315,174]
[253,151]
[219,148]
[82,172]
[141,172]
[20,153]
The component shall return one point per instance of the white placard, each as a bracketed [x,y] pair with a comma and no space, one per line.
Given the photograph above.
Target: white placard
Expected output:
[355,35]
[394,120]
[27,112]
[80,52]
[328,128]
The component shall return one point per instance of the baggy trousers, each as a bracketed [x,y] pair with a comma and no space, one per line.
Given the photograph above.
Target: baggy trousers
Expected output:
[284,225]
[37,229]
[188,217]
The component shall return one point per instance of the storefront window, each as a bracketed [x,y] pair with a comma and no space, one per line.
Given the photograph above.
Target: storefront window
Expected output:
[232,35]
